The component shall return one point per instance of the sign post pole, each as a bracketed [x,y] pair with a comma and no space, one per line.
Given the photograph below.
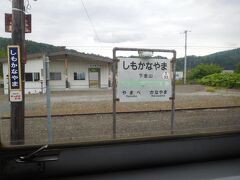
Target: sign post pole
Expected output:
[48,91]
[114,85]
[173,91]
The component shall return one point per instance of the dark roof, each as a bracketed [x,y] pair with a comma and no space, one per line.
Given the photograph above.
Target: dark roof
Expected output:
[81,55]
[62,54]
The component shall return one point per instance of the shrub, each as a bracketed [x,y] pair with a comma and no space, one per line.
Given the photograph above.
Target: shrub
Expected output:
[228,80]
[237,70]
[203,70]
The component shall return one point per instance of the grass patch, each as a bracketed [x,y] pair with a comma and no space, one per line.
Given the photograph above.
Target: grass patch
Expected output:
[179,82]
[210,89]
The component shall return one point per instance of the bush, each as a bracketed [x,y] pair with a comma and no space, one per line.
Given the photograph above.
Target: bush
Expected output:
[228,80]
[237,70]
[203,70]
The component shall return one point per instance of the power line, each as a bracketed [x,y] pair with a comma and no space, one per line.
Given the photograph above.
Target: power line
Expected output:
[90,20]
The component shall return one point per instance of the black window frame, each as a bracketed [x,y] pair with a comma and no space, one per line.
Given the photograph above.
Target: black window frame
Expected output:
[32,76]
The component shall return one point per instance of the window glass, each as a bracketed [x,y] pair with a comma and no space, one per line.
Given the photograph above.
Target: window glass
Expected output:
[79,76]
[28,77]
[55,76]
[36,76]
[32,76]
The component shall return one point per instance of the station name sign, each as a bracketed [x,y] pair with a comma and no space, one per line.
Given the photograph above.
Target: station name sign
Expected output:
[141,79]
[14,75]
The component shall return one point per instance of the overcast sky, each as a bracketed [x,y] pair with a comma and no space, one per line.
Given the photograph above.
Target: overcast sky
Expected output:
[214,24]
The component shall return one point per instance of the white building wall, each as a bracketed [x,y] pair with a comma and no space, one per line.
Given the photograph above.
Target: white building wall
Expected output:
[35,66]
[57,66]
[5,78]
[83,66]
[32,66]
[78,66]
[104,75]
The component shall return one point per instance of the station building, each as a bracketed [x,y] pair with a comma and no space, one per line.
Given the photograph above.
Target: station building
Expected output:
[69,70]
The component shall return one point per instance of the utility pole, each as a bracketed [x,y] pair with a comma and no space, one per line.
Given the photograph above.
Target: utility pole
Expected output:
[185,59]
[18,38]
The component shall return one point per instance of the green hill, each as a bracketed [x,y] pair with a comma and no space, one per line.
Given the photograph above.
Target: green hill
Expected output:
[31,46]
[226,59]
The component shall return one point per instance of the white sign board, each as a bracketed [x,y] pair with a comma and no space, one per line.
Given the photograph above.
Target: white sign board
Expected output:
[179,75]
[144,80]
[94,65]
[15,96]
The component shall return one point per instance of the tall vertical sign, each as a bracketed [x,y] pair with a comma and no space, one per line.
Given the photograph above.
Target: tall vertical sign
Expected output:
[14,74]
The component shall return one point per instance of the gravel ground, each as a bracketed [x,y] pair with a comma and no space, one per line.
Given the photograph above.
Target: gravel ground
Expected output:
[81,128]
[77,102]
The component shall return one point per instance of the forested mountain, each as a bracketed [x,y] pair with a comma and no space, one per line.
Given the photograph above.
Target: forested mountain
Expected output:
[31,46]
[226,59]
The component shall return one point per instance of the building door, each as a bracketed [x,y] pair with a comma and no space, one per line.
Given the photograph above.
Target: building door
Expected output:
[94,77]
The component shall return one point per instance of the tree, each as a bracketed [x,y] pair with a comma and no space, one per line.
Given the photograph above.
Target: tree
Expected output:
[203,70]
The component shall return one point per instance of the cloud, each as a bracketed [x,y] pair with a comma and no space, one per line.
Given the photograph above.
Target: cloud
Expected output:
[119,37]
[142,22]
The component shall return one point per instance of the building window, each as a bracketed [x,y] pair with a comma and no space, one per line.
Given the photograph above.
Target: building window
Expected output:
[28,77]
[79,76]
[55,76]
[32,77]
[36,76]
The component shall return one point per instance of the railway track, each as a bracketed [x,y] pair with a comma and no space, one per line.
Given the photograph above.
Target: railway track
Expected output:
[133,112]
